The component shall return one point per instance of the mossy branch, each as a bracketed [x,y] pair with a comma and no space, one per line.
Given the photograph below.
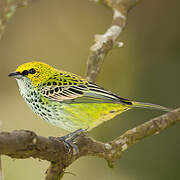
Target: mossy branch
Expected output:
[25,144]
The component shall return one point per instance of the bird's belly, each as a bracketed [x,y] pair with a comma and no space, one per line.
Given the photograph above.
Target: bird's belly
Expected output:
[73,116]
[90,115]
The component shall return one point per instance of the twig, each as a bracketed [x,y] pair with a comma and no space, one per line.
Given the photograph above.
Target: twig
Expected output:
[105,42]
[7,10]
[24,144]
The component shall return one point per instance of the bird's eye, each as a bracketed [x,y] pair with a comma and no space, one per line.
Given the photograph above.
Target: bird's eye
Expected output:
[32,71]
[25,72]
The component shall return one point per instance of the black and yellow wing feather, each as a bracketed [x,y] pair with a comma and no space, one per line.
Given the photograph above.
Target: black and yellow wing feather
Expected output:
[73,89]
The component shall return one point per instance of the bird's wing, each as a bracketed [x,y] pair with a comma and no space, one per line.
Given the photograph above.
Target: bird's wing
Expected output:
[81,93]
[61,93]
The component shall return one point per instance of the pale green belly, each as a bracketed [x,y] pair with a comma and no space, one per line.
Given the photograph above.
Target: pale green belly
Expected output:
[89,115]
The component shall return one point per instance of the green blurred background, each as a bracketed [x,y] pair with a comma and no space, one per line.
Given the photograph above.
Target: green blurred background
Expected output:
[146,68]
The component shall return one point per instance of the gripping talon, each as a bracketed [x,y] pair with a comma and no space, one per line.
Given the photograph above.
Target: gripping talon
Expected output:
[68,139]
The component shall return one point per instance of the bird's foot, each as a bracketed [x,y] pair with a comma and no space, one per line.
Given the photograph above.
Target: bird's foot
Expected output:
[71,136]
[68,140]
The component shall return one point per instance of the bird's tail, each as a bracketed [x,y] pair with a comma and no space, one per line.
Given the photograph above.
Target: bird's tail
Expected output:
[150,106]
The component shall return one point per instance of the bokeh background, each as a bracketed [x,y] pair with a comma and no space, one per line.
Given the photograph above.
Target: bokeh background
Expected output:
[146,68]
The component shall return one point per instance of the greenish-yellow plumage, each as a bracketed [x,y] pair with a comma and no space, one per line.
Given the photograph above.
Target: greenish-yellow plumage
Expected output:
[67,100]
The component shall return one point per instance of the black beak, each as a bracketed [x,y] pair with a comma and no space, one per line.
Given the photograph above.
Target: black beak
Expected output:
[14,74]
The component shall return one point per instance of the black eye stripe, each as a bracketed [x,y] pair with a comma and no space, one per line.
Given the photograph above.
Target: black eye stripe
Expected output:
[25,72]
[32,71]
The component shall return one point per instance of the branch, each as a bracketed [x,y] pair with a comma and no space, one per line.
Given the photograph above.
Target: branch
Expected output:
[8,9]
[24,144]
[104,43]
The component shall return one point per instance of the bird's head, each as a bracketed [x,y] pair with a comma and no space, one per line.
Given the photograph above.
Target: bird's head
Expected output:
[37,72]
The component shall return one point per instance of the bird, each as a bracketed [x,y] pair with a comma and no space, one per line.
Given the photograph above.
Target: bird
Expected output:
[67,100]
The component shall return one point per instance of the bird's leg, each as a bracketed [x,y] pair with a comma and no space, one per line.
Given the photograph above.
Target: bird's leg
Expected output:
[71,136]
[68,139]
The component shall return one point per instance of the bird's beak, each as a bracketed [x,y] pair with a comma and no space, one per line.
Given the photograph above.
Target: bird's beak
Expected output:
[15,74]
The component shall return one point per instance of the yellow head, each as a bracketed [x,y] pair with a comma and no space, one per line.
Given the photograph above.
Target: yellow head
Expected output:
[37,72]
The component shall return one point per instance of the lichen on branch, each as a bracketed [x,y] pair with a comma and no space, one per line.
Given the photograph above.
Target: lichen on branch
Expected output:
[105,42]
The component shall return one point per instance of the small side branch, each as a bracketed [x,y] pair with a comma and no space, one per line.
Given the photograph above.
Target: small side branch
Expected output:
[7,10]
[24,144]
[105,42]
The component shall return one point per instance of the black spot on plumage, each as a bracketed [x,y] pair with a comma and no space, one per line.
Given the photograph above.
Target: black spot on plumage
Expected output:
[51,91]
[25,72]
[65,83]
[44,84]
[60,74]
[49,83]
[32,71]
[70,83]
[64,80]
[54,83]
[47,92]
[37,75]
[60,88]
[43,114]
[75,80]
[60,83]
[42,107]
[67,76]
[56,89]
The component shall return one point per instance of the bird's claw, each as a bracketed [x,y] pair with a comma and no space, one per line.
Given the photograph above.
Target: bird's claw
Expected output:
[68,140]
